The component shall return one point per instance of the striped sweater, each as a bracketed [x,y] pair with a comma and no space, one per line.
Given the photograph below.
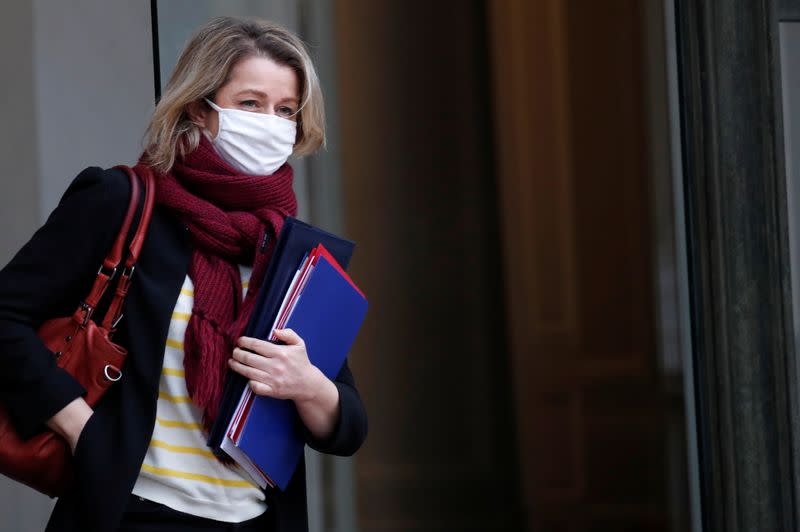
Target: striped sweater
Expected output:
[179,471]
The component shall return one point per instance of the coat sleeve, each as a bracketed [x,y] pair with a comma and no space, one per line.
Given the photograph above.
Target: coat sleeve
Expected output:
[351,428]
[46,279]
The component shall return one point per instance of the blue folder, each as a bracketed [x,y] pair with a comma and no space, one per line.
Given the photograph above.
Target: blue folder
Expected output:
[328,315]
[294,242]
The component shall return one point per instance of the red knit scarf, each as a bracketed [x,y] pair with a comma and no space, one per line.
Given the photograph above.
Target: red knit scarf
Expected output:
[233,219]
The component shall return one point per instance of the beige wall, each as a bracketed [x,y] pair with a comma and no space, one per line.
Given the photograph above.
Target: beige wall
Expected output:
[78,87]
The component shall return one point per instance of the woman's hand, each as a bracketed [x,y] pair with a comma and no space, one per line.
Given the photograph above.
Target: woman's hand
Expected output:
[284,372]
[281,371]
[70,421]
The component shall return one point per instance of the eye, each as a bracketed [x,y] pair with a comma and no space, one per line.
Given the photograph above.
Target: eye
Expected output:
[249,104]
[285,111]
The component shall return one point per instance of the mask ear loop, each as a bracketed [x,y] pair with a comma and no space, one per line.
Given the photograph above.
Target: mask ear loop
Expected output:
[203,130]
[213,105]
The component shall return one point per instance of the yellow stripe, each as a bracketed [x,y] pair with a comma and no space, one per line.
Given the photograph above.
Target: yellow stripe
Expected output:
[163,471]
[245,284]
[187,292]
[174,343]
[182,449]
[173,372]
[181,316]
[174,398]
[178,424]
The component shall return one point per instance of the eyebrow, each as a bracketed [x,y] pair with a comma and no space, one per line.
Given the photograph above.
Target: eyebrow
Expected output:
[263,94]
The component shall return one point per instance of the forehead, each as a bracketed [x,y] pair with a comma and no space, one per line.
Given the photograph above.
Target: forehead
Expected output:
[264,75]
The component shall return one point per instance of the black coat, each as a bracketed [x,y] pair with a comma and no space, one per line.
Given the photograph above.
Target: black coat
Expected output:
[48,278]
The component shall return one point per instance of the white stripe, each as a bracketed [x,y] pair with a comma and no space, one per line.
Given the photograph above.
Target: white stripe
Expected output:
[179,470]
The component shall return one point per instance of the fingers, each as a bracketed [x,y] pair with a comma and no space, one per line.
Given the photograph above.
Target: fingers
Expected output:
[259,380]
[273,370]
[248,371]
[251,373]
[260,388]
[269,349]
[265,349]
[289,336]
[254,360]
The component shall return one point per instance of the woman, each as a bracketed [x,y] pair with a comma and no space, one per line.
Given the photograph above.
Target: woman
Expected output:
[243,97]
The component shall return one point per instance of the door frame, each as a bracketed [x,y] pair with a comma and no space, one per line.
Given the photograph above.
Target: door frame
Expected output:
[738,254]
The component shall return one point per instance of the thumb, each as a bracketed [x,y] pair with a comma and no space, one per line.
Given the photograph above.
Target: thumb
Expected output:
[288,336]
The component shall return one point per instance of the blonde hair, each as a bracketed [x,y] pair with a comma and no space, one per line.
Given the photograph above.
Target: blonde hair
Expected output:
[205,65]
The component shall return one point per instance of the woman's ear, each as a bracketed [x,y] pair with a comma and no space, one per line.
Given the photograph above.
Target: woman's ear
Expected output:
[198,112]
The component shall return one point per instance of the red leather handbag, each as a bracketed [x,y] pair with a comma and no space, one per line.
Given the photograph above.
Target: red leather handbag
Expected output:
[85,350]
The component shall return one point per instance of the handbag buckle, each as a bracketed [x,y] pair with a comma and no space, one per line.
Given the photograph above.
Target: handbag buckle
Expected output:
[87,308]
[111,275]
[127,272]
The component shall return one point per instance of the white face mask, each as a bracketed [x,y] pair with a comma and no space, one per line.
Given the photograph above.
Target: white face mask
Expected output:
[253,143]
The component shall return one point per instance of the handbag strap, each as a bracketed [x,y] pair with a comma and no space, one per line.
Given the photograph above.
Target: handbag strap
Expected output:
[114,312]
[109,266]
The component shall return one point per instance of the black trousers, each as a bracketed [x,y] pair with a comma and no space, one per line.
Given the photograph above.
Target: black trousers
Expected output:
[142,515]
